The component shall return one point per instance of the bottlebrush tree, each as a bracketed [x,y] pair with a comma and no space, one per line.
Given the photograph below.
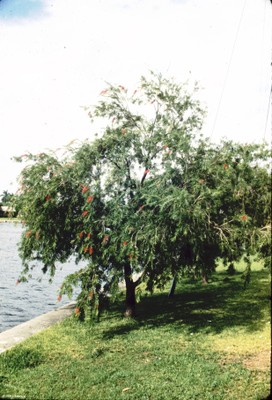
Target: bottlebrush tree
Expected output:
[145,200]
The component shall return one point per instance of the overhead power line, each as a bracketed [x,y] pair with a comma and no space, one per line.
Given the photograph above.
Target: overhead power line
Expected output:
[228,69]
[267,113]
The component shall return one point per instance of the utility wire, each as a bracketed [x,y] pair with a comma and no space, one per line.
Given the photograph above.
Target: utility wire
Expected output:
[267,113]
[262,69]
[228,69]
[270,95]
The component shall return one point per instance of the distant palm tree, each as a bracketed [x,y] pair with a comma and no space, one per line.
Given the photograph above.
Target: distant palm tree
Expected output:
[6,197]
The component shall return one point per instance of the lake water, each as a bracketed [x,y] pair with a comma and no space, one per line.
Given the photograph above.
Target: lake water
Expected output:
[20,303]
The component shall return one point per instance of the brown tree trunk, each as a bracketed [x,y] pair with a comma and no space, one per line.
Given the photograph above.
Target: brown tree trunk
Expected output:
[130,300]
[204,278]
[173,287]
[130,293]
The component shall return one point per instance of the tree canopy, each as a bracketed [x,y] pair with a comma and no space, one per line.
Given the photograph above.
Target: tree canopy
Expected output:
[148,198]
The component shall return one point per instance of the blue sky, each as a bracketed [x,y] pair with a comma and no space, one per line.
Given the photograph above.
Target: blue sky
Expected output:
[57,55]
[13,9]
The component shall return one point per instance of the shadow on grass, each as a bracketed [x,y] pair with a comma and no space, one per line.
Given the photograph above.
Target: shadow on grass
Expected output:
[205,309]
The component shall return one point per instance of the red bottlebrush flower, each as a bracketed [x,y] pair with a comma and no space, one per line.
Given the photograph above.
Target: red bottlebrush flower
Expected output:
[85,189]
[86,249]
[17,282]
[77,311]
[59,297]
[47,197]
[81,234]
[89,235]
[86,212]
[226,166]
[90,250]
[103,92]
[123,131]
[141,207]
[244,217]
[121,87]
[125,243]
[146,171]
[28,234]
[135,91]
[89,199]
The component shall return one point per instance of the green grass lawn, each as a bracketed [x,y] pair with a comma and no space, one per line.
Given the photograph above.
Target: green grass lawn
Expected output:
[209,342]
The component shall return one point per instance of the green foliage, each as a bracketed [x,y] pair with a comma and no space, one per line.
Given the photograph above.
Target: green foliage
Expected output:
[6,197]
[148,198]
[8,207]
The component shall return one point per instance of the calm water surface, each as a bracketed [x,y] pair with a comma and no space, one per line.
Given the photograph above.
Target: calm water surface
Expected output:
[20,303]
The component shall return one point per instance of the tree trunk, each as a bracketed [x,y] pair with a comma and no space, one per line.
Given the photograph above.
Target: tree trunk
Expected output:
[173,287]
[130,300]
[204,278]
[130,293]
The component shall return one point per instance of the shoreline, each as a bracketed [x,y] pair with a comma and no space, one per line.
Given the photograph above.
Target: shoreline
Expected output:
[13,220]
[15,335]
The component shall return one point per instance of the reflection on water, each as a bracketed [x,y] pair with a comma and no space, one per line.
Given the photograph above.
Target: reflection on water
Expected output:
[19,303]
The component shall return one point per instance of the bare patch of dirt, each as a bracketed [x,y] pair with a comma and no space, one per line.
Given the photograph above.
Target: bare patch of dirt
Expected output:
[260,360]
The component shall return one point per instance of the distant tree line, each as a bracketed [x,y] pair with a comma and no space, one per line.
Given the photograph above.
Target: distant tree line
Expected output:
[7,208]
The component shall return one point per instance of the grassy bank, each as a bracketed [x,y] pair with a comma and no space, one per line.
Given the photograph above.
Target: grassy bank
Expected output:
[5,219]
[209,342]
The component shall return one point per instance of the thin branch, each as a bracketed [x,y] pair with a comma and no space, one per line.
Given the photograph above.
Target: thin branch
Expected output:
[144,176]
[115,163]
